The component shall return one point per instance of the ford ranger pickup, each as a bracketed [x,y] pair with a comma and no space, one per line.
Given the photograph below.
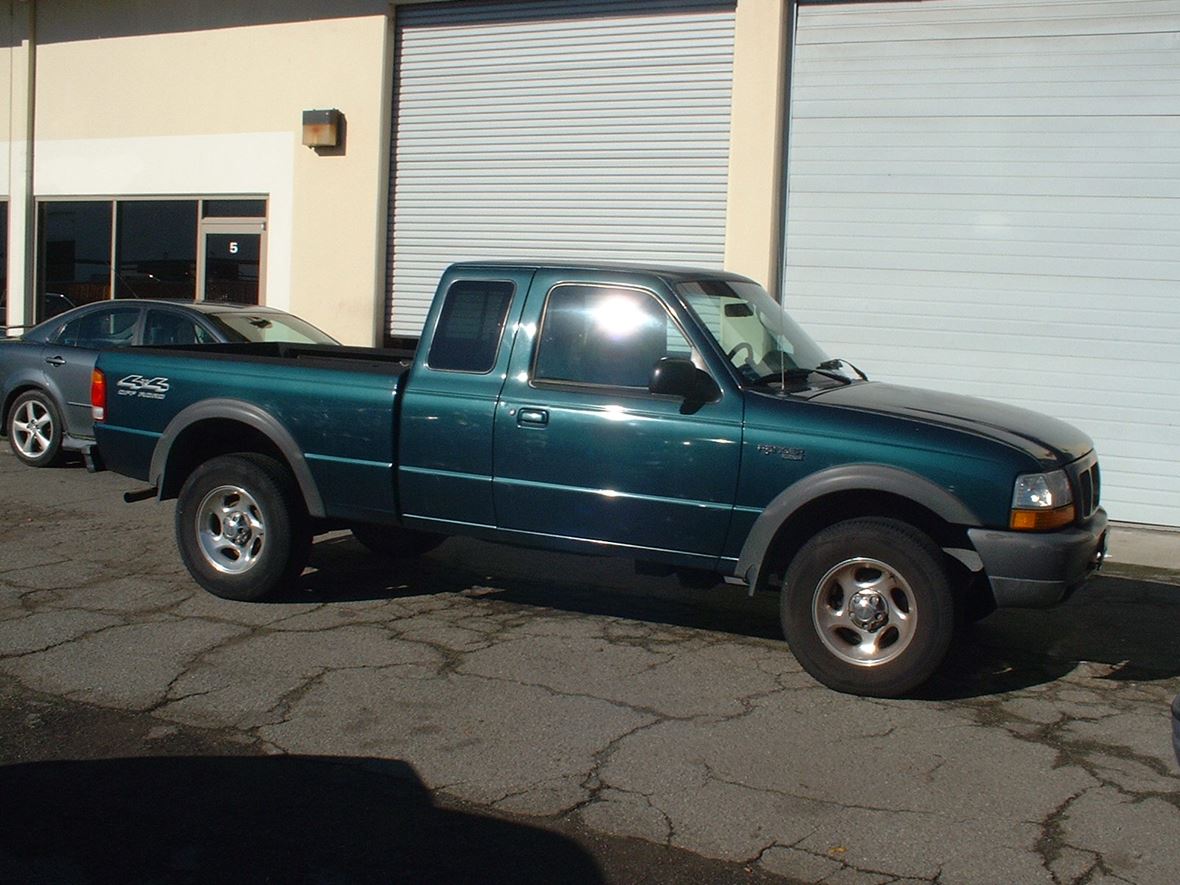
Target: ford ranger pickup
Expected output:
[674,416]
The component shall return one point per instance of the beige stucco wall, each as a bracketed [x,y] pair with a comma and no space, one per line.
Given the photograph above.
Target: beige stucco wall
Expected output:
[185,99]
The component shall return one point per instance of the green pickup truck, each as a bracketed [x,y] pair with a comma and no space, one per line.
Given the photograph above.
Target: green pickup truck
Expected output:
[673,416]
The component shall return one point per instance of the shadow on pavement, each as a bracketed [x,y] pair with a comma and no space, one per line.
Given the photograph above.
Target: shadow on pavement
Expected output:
[282,819]
[1126,624]
[346,571]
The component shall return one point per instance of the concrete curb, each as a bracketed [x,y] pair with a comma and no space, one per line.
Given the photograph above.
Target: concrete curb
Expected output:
[1144,552]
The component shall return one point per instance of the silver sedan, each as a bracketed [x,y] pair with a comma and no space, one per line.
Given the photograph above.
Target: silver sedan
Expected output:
[45,374]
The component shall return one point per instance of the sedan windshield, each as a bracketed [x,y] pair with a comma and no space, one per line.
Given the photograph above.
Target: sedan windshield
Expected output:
[764,344]
[248,326]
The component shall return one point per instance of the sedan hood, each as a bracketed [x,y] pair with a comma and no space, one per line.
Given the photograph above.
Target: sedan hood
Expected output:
[1047,439]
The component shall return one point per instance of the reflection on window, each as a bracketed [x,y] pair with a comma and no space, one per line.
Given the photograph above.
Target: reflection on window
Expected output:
[604,336]
[247,326]
[75,255]
[469,328]
[100,329]
[157,249]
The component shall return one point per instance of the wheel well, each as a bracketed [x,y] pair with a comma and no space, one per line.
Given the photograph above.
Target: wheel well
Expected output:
[207,439]
[817,515]
[9,400]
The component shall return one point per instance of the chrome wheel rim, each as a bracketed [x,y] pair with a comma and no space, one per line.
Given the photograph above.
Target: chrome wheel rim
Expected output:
[32,429]
[864,612]
[231,530]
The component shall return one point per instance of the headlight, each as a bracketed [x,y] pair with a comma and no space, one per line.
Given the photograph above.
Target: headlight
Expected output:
[1041,501]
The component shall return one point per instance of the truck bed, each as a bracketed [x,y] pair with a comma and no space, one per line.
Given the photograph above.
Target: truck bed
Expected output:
[331,408]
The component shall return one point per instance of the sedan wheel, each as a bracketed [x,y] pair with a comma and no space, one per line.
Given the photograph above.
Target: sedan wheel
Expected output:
[35,430]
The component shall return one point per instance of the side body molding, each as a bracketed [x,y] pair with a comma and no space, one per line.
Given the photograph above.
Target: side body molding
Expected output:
[250,415]
[845,478]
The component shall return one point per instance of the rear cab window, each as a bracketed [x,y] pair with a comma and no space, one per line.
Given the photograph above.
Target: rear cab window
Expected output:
[470,326]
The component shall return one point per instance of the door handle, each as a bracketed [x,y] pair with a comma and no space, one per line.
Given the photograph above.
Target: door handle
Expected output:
[532,418]
[55,360]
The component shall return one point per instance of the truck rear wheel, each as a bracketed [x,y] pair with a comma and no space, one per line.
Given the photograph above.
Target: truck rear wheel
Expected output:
[867,608]
[241,526]
[394,541]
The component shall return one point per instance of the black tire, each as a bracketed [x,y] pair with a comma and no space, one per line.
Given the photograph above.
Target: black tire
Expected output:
[394,541]
[884,638]
[241,526]
[35,429]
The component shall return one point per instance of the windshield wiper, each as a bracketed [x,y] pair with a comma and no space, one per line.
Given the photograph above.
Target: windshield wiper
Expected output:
[798,373]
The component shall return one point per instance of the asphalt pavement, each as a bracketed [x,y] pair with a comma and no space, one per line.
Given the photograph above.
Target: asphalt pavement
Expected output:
[494,714]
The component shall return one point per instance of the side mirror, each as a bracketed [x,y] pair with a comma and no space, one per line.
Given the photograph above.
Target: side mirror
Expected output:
[679,377]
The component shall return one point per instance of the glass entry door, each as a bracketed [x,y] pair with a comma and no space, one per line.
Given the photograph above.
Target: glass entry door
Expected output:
[232,262]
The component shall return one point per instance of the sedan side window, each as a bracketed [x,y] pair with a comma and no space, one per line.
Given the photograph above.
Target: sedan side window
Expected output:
[162,327]
[101,329]
[605,336]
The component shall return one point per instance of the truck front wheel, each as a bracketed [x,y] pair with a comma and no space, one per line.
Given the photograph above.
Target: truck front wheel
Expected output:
[241,526]
[867,609]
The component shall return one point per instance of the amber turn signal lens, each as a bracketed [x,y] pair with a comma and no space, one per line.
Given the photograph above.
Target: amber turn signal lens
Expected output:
[1041,520]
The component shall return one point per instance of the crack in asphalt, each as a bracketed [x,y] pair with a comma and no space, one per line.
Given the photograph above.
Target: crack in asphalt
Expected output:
[475,619]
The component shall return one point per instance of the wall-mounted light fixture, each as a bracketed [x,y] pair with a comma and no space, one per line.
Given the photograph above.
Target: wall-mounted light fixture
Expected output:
[321,128]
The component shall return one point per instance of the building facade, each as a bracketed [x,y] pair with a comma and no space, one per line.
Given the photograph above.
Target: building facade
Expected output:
[973,195]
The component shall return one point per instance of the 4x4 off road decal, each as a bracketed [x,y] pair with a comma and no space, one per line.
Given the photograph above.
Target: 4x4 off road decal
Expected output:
[147,388]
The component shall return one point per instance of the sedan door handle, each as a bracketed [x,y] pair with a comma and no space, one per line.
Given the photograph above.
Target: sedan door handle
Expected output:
[55,360]
[532,418]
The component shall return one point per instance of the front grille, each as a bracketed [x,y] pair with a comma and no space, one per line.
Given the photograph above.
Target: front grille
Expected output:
[1087,484]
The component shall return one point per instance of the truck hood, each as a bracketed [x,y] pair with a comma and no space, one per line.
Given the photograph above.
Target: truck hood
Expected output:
[1047,439]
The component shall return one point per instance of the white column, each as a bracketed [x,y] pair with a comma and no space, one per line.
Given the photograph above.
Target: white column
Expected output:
[21,243]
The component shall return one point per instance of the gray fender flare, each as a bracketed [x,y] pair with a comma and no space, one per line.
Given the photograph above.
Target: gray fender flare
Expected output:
[845,478]
[252,416]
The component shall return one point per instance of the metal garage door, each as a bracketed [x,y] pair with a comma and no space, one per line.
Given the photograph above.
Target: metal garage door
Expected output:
[984,197]
[586,130]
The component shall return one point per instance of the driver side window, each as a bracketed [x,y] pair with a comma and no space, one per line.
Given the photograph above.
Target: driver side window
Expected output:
[605,336]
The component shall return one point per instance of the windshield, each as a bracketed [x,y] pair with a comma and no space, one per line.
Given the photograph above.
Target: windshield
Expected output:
[272,327]
[764,344]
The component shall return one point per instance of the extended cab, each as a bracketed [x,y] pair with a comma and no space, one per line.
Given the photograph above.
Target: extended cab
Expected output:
[678,417]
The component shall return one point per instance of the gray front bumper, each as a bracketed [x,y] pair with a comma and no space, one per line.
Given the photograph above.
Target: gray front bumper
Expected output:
[1032,570]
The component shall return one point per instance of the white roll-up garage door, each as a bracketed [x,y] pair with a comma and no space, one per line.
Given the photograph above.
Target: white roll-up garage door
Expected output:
[572,130]
[984,197]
